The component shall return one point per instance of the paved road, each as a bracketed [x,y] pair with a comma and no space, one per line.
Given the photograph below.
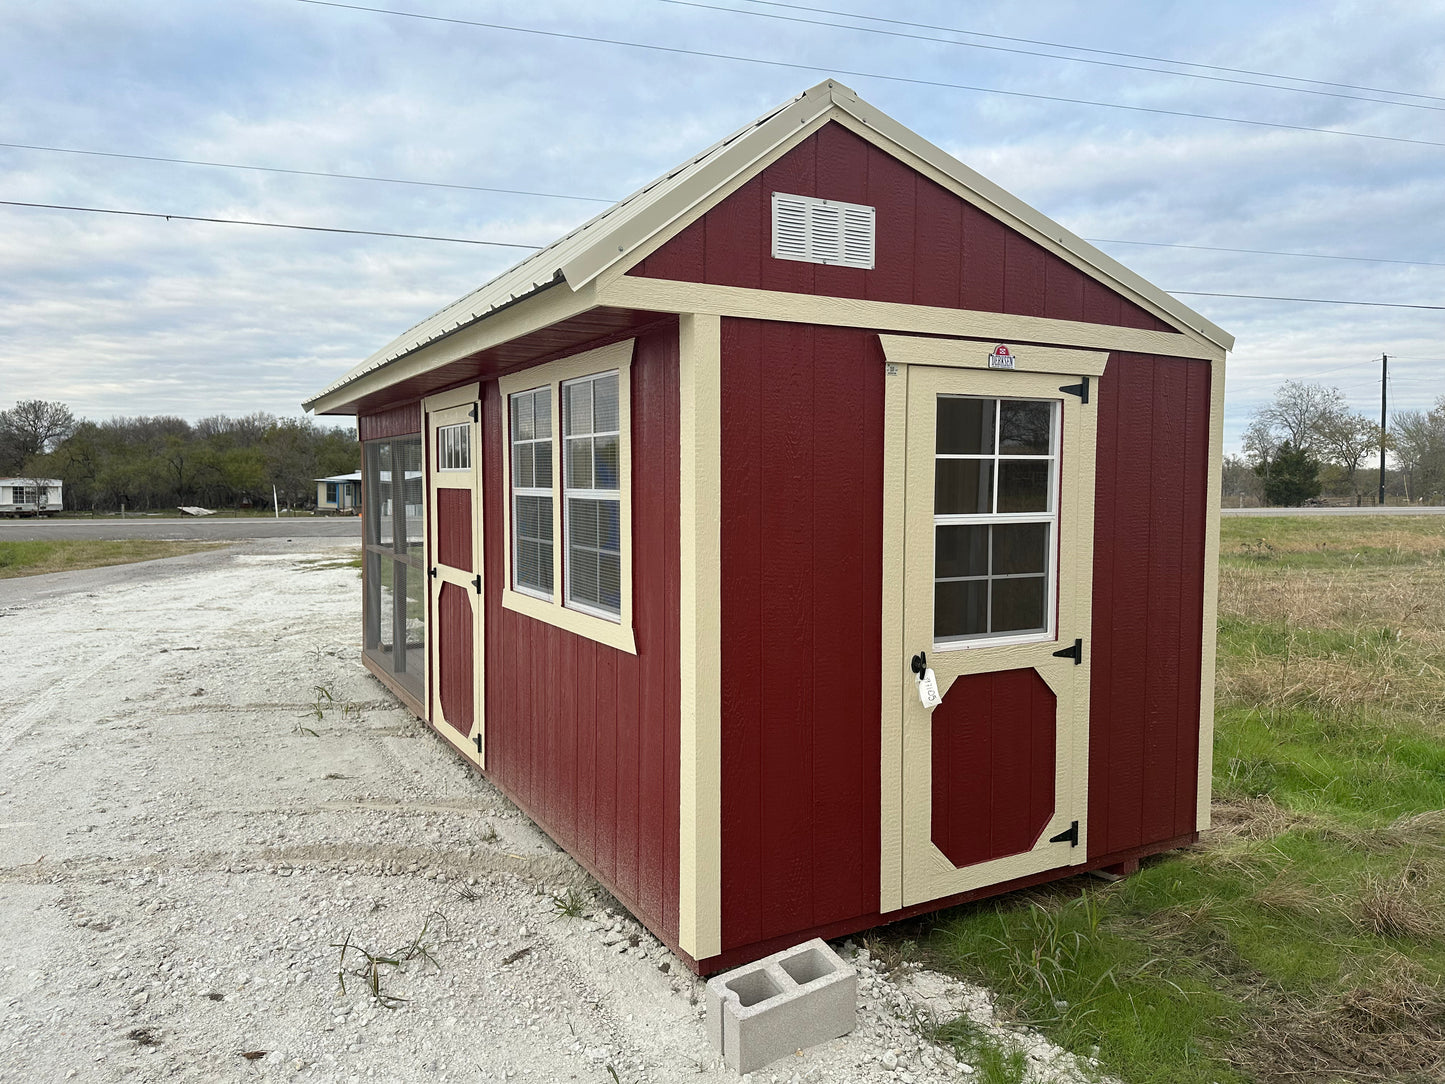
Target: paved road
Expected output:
[1388,510]
[209,529]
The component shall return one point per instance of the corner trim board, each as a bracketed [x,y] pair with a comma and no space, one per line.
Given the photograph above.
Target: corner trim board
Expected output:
[1209,636]
[699,912]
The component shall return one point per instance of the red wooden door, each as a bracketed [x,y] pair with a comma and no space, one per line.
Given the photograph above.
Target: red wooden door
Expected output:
[455,571]
[997,503]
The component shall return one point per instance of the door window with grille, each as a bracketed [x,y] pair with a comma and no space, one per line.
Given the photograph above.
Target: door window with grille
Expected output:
[995,515]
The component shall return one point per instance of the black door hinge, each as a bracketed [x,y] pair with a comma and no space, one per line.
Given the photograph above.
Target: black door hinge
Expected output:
[432,573]
[477,582]
[1081,389]
[1076,653]
[473,412]
[1071,837]
[477,741]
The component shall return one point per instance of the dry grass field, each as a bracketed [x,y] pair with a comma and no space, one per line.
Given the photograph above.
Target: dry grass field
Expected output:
[33,558]
[1303,939]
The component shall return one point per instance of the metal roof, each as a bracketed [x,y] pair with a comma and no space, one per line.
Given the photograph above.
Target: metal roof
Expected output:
[612,236]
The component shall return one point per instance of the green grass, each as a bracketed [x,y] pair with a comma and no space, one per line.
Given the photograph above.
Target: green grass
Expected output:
[34,558]
[322,564]
[1304,938]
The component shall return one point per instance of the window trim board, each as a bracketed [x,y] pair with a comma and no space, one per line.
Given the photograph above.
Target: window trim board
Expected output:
[618,633]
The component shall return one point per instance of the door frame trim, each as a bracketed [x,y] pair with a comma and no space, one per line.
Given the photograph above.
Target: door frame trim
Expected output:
[900,353]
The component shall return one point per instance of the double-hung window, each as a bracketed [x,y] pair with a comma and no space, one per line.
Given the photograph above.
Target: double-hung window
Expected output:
[531,431]
[569,537]
[593,514]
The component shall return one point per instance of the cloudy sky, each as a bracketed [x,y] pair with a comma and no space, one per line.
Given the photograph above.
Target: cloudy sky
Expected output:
[128,315]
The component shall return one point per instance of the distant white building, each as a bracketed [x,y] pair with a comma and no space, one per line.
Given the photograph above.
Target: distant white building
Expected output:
[339,493]
[29,496]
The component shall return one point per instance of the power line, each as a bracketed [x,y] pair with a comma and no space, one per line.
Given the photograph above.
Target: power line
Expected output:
[599,199]
[273,225]
[295,172]
[1264,252]
[1033,52]
[1308,300]
[911,80]
[1100,52]
[534,248]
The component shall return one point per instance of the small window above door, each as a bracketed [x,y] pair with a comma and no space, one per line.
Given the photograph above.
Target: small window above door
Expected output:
[454,447]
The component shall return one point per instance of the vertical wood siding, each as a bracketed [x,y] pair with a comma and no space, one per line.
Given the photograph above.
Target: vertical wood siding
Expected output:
[932,247]
[583,737]
[802,482]
[1148,600]
[397,421]
[993,765]
[458,656]
[454,528]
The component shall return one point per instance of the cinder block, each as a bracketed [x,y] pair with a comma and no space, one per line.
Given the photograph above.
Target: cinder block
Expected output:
[793,999]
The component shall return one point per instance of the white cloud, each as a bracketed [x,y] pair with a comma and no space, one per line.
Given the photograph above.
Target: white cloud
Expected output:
[120,316]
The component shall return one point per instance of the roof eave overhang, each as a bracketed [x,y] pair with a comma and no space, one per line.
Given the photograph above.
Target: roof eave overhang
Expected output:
[448,346]
[529,312]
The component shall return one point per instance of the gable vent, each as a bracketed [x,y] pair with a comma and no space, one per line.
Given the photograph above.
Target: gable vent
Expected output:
[822,231]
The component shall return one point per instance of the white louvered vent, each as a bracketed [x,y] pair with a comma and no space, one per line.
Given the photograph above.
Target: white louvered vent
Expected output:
[822,231]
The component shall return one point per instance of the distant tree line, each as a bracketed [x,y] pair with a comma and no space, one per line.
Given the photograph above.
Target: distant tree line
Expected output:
[1306,443]
[162,462]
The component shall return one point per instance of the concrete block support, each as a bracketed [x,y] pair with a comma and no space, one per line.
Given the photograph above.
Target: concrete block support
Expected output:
[782,1003]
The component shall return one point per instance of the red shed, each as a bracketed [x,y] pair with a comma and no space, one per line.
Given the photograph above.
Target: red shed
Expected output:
[658,522]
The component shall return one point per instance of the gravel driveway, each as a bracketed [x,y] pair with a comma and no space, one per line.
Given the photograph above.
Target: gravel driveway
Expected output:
[203,795]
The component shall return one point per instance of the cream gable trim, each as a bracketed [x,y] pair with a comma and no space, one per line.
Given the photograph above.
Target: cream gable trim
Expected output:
[729,166]
[615,634]
[743,158]
[940,166]
[668,295]
[699,922]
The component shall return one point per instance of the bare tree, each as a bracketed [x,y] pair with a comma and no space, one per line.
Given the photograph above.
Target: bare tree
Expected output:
[1260,443]
[1346,440]
[32,428]
[1419,447]
[1298,412]
[1239,484]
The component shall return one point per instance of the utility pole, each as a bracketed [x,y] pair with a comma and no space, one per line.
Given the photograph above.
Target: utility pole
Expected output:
[1384,384]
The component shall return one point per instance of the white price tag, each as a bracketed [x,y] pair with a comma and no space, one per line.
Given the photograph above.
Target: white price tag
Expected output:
[928,690]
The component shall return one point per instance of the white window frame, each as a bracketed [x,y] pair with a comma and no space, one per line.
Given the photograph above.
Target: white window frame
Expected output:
[544,392]
[996,518]
[613,630]
[588,494]
[454,443]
